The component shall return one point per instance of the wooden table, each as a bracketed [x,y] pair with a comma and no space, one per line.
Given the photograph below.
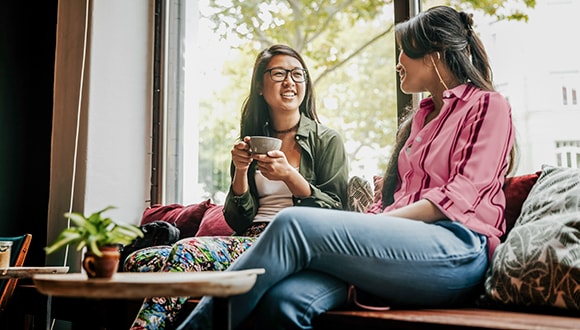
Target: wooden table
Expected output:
[220,285]
[29,272]
[18,273]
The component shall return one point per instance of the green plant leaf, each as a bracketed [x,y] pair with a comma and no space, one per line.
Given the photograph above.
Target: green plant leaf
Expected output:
[67,236]
[93,247]
[94,231]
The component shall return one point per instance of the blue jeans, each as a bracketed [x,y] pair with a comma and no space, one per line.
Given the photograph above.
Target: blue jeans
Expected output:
[310,256]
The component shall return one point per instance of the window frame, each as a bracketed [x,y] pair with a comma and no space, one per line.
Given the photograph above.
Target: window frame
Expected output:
[167,135]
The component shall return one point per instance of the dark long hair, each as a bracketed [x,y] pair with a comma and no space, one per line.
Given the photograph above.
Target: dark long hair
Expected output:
[255,112]
[450,33]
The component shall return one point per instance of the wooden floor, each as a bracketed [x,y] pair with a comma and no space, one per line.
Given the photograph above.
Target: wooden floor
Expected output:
[434,319]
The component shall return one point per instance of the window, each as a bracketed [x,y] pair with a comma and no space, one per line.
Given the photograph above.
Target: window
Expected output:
[568,154]
[209,65]
[569,96]
[566,83]
[211,46]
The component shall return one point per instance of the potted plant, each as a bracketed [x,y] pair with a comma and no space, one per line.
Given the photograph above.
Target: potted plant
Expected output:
[102,236]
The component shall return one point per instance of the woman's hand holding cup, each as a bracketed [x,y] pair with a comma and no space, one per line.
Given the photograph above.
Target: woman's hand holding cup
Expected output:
[241,156]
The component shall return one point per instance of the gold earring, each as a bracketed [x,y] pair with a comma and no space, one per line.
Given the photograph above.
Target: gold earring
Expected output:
[437,71]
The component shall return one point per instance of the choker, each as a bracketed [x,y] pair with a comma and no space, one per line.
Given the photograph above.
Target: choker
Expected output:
[293,128]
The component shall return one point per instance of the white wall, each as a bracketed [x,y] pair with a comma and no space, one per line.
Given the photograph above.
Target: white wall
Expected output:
[119,109]
[114,128]
[528,59]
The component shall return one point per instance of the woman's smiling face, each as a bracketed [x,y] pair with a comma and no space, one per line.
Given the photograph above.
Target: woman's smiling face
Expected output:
[413,73]
[284,95]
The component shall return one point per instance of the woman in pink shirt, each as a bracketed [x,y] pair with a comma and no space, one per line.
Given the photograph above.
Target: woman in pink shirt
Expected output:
[442,210]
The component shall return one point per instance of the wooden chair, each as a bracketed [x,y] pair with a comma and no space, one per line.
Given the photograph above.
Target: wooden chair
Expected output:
[20,245]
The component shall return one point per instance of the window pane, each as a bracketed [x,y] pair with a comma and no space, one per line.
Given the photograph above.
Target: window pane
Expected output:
[356,96]
[351,63]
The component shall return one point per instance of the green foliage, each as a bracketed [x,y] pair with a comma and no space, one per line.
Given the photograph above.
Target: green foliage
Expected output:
[349,48]
[500,9]
[93,232]
[219,122]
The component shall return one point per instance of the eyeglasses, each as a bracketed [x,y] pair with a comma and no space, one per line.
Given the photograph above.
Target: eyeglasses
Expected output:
[279,74]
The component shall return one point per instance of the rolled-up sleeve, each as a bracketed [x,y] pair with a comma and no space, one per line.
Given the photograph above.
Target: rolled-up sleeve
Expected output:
[459,160]
[478,164]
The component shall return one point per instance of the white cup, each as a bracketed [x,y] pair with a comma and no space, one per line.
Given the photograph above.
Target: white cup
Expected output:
[263,144]
[5,254]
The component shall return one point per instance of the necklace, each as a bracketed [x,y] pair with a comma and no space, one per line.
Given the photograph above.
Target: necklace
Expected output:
[293,128]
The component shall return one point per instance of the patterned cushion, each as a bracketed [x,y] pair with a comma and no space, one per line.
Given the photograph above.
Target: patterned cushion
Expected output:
[539,263]
[556,191]
[360,194]
[149,259]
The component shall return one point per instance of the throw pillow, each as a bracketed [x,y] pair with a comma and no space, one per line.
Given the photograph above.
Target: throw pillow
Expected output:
[539,263]
[186,218]
[556,191]
[516,191]
[360,194]
[377,205]
[378,188]
[190,218]
[157,212]
[214,223]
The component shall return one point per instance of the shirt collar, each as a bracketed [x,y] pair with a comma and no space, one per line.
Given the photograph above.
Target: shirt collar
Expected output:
[462,92]
[306,126]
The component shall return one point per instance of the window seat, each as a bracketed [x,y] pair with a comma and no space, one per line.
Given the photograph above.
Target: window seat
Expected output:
[432,319]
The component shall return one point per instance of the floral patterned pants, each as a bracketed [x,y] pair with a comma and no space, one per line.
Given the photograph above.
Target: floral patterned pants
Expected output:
[213,253]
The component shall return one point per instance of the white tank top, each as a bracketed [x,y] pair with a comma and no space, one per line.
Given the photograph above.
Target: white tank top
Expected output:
[272,196]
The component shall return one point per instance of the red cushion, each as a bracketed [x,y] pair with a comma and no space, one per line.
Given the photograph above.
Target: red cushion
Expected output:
[214,223]
[186,218]
[190,217]
[516,191]
[157,212]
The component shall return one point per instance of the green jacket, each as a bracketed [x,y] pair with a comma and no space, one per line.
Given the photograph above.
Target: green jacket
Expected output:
[323,163]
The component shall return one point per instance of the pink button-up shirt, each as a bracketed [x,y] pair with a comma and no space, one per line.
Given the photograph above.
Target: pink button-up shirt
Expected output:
[458,161]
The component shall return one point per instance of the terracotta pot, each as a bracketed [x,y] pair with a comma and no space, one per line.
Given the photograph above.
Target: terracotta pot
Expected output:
[104,266]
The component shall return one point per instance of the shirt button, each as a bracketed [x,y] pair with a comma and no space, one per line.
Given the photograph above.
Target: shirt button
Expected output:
[418,139]
[299,201]
[447,94]
[296,137]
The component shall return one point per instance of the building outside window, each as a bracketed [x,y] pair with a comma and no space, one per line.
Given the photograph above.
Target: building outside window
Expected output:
[569,95]
[568,153]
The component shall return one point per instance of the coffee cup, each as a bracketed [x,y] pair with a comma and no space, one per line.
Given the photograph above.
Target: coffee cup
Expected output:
[263,144]
[5,247]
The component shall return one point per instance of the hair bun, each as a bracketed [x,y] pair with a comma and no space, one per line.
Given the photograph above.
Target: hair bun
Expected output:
[467,20]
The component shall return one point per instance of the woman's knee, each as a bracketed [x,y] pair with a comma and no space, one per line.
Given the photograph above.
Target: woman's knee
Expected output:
[211,253]
[294,217]
[295,301]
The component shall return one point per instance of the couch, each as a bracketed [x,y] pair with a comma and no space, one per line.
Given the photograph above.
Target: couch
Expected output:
[533,281]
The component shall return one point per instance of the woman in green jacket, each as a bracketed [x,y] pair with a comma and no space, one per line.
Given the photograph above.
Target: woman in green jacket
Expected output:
[310,169]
